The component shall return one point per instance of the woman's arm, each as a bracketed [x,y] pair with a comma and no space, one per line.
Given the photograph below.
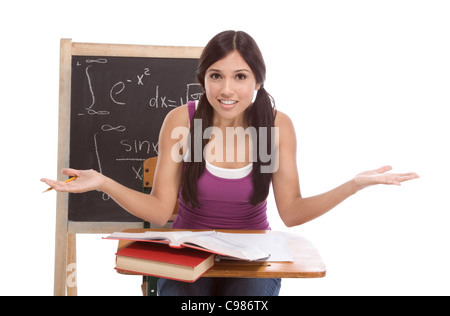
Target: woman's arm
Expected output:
[292,207]
[156,207]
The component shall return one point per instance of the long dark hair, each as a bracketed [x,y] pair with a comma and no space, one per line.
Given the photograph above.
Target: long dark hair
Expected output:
[260,114]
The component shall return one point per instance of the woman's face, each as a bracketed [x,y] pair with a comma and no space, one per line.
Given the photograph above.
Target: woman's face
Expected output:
[230,86]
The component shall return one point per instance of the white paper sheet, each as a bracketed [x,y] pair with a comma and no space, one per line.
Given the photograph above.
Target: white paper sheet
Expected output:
[274,244]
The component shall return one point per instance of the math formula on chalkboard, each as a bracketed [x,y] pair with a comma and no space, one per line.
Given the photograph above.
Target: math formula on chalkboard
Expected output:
[118,105]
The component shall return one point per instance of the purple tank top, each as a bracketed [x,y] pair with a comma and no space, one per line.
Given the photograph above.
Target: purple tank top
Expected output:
[225,203]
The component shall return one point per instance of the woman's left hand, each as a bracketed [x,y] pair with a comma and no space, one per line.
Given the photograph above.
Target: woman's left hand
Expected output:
[380,176]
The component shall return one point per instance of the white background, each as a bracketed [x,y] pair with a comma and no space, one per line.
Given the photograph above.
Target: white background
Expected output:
[367,83]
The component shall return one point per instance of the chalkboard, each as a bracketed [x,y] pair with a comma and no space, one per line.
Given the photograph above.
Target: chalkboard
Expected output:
[118,105]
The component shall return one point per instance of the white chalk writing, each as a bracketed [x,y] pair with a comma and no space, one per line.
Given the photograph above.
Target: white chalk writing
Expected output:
[112,93]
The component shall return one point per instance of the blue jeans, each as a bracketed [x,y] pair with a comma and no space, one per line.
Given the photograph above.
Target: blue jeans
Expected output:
[220,287]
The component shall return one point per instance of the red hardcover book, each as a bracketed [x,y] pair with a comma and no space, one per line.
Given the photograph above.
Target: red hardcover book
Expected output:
[185,264]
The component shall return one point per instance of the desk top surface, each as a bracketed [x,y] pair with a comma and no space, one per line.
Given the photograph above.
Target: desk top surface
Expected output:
[307,261]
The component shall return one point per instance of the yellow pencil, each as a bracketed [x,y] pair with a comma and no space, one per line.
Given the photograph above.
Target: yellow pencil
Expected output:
[68,180]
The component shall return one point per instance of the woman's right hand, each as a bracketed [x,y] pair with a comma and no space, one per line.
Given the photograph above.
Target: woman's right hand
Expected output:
[87,180]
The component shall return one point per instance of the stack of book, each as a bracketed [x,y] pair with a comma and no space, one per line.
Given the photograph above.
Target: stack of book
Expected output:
[160,260]
[187,255]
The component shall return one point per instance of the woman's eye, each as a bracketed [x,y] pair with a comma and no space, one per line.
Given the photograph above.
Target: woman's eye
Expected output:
[215,76]
[241,76]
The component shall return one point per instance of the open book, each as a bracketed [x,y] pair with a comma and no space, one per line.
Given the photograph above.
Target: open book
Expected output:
[240,246]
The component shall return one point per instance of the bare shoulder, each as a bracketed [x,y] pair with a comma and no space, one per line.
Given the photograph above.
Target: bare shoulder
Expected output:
[283,121]
[178,117]
[285,131]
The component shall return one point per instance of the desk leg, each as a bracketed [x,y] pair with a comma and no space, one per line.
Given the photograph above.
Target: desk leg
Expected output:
[152,286]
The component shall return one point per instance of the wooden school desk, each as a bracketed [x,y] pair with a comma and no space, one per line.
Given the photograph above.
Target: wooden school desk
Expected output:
[307,261]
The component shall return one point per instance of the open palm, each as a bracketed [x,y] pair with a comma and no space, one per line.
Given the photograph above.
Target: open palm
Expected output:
[87,180]
[380,176]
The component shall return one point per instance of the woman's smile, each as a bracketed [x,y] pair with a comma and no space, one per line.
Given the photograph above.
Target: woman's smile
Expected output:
[228,104]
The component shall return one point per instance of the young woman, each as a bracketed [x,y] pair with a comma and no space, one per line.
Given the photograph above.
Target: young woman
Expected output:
[237,147]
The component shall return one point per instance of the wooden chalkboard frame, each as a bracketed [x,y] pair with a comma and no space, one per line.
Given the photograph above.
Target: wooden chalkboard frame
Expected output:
[65,243]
